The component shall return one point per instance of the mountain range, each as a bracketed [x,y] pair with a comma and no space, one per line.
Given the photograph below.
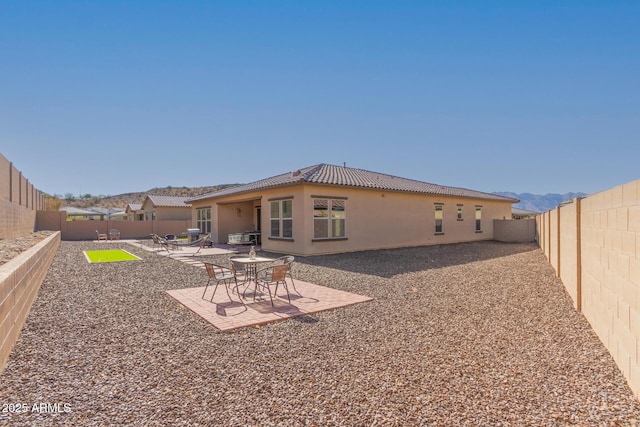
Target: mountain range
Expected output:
[540,203]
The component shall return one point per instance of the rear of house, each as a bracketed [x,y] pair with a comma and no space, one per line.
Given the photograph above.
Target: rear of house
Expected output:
[326,209]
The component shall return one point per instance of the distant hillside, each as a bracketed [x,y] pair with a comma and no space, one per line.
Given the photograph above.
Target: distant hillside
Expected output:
[540,203]
[121,200]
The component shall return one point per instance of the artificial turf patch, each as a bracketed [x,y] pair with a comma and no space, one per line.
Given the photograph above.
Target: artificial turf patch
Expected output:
[110,255]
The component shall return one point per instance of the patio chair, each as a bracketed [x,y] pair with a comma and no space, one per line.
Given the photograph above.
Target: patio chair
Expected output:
[239,269]
[114,234]
[101,236]
[274,275]
[160,241]
[200,243]
[219,274]
[288,260]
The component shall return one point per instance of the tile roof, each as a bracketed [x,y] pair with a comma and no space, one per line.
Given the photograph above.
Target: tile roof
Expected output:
[351,177]
[134,206]
[520,211]
[72,210]
[106,211]
[168,201]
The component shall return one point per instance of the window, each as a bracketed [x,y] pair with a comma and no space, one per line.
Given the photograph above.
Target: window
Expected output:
[203,220]
[459,212]
[282,219]
[439,229]
[478,219]
[329,218]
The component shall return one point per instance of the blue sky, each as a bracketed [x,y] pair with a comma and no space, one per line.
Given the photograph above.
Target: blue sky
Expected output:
[117,96]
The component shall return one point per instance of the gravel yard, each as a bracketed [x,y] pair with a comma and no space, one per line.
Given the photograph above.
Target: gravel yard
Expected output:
[13,246]
[476,334]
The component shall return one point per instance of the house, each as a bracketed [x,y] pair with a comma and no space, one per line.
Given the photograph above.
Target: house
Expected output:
[518,213]
[74,214]
[132,212]
[326,209]
[108,213]
[163,208]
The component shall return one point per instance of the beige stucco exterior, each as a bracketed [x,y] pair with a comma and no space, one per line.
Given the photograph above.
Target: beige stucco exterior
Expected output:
[132,212]
[150,212]
[375,219]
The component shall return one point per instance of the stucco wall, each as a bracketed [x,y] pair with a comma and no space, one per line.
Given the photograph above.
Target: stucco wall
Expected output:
[384,219]
[173,214]
[374,219]
[234,218]
[599,264]
[164,213]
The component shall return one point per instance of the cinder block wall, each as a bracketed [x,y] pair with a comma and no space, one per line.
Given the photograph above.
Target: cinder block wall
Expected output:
[594,245]
[514,230]
[568,249]
[19,201]
[20,280]
[611,273]
[15,220]
[86,230]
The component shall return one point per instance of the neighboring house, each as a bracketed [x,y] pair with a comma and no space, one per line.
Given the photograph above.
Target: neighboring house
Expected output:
[74,214]
[108,213]
[325,209]
[95,213]
[518,213]
[163,208]
[132,212]
[119,215]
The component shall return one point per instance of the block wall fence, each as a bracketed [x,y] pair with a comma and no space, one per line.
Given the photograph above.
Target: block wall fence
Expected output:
[21,277]
[86,229]
[20,281]
[19,201]
[594,245]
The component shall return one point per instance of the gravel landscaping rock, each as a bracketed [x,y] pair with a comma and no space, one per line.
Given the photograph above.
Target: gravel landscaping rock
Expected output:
[475,334]
[11,247]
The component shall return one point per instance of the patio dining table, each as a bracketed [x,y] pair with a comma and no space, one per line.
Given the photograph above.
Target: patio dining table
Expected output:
[251,270]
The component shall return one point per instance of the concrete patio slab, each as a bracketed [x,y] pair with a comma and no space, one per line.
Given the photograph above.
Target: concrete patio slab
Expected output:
[227,315]
[186,251]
